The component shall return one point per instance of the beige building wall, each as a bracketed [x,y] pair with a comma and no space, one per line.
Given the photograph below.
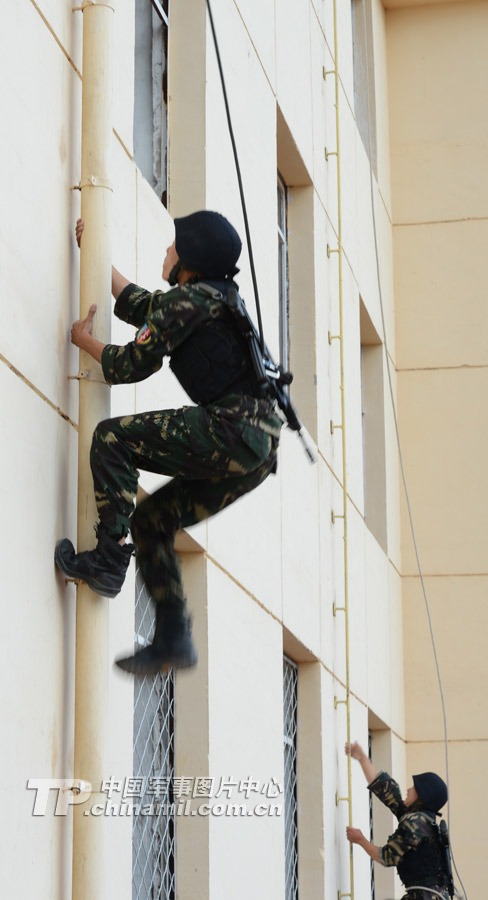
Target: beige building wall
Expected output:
[261,578]
[438,80]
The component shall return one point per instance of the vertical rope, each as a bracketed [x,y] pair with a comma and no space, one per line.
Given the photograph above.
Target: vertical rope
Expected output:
[239,180]
[400,454]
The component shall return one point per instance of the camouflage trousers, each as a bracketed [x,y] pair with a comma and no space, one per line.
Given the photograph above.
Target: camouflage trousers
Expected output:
[215,455]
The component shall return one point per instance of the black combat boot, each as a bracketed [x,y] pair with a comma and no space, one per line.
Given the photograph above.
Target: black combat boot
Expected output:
[172,644]
[102,569]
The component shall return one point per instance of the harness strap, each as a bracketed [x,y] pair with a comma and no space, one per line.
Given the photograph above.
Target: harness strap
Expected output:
[418,887]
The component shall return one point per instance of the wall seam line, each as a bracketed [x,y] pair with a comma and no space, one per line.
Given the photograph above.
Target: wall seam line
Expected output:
[440,222]
[444,368]
[68,57]
[273,90]
[117,135]
[481,740]
[54,35]
[36,390]
[447,575]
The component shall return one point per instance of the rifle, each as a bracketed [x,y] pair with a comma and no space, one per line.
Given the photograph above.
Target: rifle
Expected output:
[444,836]
[272,380]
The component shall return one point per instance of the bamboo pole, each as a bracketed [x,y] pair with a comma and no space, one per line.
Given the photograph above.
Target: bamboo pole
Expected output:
[350,893]
[92,662]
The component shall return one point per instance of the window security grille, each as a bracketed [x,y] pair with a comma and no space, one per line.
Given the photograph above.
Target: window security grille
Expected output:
[151,92]
[370,754]
[283,274]
[153,836]
[363,68]
[290,684]
[161,8]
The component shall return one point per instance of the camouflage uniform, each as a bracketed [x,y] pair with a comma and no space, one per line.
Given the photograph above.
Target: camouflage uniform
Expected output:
[215,453]
[415,826]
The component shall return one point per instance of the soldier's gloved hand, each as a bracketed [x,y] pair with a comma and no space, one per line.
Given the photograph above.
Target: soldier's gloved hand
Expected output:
[83,326]
[354,750]
[79,230]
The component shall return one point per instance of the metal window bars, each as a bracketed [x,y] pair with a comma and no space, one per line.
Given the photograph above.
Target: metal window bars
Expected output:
[370,755]
[161,8]
[150,132]
[284,311]
[290,685]
[153,836]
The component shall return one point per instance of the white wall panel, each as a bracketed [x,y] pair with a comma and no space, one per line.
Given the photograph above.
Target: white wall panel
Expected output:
[246,739]
[39,167]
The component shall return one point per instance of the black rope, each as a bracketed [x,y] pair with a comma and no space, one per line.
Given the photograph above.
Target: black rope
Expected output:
[239,179]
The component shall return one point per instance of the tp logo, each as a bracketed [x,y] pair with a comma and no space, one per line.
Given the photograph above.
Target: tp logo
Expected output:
[70,793]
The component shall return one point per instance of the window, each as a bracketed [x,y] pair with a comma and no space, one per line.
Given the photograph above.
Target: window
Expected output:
[153,836]
[373,421]
[364,85]
[382,821]
[151,93]
[290,697]
[370,754]
[283,273]
[296,261]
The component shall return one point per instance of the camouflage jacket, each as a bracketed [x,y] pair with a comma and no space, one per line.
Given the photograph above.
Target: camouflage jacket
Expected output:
[414,825]
[164,321]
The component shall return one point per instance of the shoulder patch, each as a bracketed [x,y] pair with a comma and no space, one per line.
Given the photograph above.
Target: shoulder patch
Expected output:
[144,334]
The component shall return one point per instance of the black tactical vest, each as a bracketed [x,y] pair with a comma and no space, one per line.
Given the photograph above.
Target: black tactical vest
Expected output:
[424,866]
[214,361]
